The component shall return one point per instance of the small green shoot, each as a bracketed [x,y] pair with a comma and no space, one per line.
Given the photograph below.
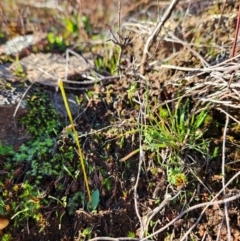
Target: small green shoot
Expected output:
[131,235]
[177,177]
[95,200]
[6,150]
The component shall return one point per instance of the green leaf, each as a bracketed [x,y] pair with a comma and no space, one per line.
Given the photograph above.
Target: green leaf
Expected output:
[71,26]
[50,38]
[201,118]
[95,200]
[215,152]
[163,113]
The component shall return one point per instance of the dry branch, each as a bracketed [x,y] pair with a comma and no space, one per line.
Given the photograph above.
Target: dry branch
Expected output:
[154,34]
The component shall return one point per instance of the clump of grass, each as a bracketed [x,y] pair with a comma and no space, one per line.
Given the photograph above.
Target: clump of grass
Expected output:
[179,129]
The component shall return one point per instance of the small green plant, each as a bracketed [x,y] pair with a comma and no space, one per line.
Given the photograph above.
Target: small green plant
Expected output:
[92,206]
[69,31]
[131,91]
[3,206]
[6,150]
[85,234]
[107,64]
[74,202]
[7,237]
[71,26]
[56,40]
[180,130]
[131,234]
[18,70]
[42,118]
[177,177]
[25,204]
[87,25]
[38,148]
[107,183]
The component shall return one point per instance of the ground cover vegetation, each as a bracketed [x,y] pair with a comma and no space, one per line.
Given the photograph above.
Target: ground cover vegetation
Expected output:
[150,150]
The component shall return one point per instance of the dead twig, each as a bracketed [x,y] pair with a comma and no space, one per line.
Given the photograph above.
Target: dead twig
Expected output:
[113,239]
[154,34]
[200,205]
[140,163]
[226,217]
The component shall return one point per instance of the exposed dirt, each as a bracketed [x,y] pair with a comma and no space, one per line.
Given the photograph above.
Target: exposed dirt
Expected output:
[107,121]
[11,133]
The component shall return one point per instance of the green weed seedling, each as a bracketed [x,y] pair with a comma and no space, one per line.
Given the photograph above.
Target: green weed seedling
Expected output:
[71,25]
[27,206]
[87,25]
[6,150]
[74,202]
[92,206]
[56,40]
[2,206]
[19,71]
[7,237]
[177,177]
[131,92]
[107,64]
[178,129]
[70,31]
[131,234]
[85,234]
